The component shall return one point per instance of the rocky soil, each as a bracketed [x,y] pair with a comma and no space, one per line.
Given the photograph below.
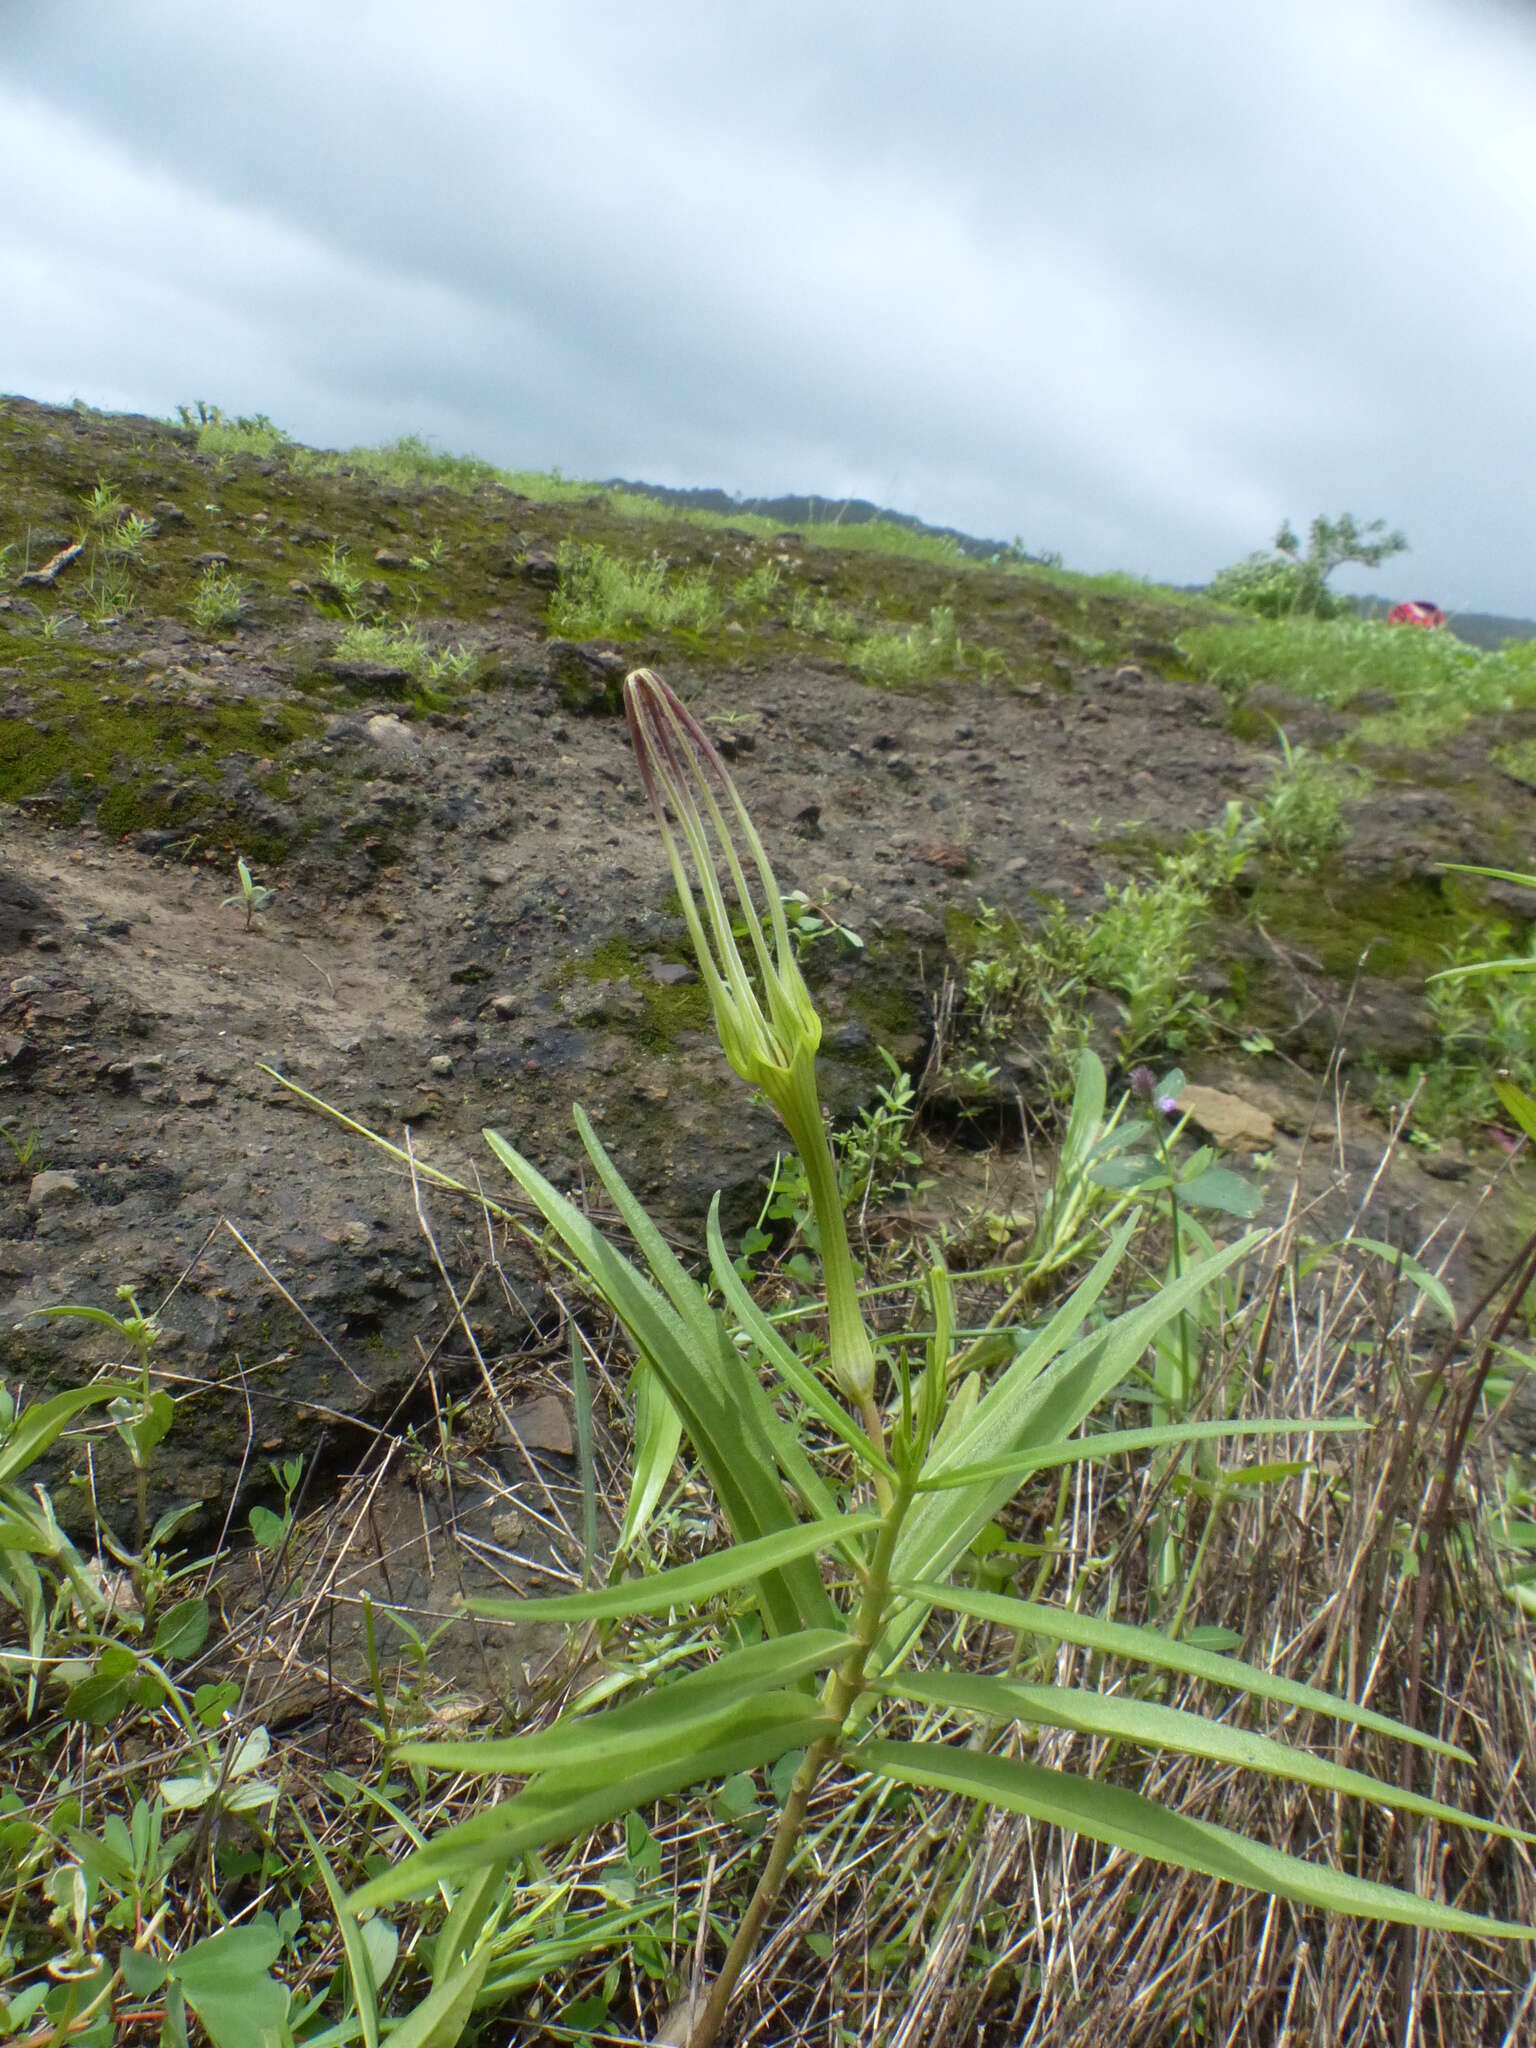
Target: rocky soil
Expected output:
[472,925]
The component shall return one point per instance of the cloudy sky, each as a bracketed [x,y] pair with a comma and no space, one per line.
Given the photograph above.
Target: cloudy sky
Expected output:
[1130,282]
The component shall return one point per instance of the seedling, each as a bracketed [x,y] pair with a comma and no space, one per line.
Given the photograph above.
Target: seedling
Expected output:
[103,507]
[253,895]
[141,1416]
[27,1148]
[269,1527]
[129,534]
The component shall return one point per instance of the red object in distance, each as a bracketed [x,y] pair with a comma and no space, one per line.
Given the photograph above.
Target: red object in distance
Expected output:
[1417,611]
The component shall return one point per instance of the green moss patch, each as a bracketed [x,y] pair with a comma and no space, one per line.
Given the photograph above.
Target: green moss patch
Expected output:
[667,1010]
[1412,925]
[137,755]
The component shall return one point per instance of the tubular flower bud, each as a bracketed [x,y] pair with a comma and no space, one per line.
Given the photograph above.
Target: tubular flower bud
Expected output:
[768,1026]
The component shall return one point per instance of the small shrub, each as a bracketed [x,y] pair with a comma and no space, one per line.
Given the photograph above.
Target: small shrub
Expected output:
[128,536]
[1486,1026]
[1270,585]
[757,590]
[1288,582]
[338,570]
[108,594]
[811,612]
[1139,947]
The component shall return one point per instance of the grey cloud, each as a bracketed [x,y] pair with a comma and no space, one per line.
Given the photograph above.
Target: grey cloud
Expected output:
[1133,283]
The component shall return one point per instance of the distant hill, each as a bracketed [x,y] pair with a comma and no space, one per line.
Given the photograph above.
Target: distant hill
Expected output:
[799,510]
[1480,629]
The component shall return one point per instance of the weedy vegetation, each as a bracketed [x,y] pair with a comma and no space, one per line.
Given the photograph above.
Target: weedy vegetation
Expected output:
[218,600]
[601,593]
[1035,990]
[1437,683]
[405,646]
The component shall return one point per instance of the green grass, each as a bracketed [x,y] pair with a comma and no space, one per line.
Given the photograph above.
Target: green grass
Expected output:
[218,599]
[889,655]
[1105,583]
[257,436]
[1438,682]
[914,654]
[410,460]
[405,647]
[604,593]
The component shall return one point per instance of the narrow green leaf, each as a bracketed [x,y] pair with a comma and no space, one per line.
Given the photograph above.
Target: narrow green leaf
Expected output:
[1153,1726]
[1087,1113]
[536,1817]
[686,1585]
[1149,1646]
[1430,1285]
[780,1660]
[1523,881]
[1125,1820]
[1030,1404]
[600,1748]
[1479,970]
[667,1269]
[658,1433]
[1519,1104]
[440,2019]
[365,1988]
[1114,1443]
[45,1421]
[478,1901]
[581,1397]
[708,1384]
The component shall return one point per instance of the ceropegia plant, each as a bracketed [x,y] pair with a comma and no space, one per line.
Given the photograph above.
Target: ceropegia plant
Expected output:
[843,1591]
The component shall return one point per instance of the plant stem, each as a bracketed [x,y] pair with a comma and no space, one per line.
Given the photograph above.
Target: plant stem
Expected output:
[843,1688]
[851,1357]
